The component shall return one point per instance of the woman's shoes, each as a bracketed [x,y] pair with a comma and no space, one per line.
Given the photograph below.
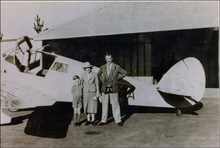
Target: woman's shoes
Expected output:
[94,123]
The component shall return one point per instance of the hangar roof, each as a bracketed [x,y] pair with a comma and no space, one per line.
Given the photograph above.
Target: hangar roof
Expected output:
[137,17]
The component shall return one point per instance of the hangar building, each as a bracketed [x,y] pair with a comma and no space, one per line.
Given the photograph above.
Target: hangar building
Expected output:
[145,38]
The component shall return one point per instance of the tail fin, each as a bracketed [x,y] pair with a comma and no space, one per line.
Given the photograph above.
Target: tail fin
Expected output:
[186,78]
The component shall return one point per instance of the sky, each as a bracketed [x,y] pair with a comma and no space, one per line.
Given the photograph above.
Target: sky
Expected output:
[17,18]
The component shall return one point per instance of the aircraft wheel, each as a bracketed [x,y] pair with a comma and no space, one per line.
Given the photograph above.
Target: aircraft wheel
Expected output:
[178,112]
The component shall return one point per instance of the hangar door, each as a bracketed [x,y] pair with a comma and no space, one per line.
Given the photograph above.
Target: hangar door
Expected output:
[132,52]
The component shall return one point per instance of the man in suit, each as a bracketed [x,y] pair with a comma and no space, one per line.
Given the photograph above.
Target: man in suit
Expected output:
[109,74]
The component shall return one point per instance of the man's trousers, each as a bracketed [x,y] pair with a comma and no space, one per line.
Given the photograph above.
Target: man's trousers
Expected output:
[115,107]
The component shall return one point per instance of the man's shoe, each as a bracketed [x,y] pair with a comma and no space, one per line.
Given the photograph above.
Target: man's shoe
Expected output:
[87,123]
[120,124]
[76,124]
[101,123]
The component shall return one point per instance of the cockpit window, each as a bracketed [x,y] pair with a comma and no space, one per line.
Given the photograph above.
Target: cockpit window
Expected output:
[61,67]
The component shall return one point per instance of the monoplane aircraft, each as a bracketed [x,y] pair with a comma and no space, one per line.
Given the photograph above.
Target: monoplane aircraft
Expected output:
[32,78]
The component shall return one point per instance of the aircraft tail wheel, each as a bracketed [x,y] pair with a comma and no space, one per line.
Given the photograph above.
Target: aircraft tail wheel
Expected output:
[178,112]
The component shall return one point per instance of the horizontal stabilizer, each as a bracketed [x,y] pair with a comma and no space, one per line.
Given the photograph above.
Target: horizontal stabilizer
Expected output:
[186,78]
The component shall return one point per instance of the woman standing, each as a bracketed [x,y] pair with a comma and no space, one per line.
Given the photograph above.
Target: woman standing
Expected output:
[90,91]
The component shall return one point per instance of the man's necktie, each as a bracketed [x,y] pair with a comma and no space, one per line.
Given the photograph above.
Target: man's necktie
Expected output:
[108,69]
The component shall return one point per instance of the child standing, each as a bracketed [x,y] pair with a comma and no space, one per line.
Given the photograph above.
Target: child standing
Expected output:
[77,99]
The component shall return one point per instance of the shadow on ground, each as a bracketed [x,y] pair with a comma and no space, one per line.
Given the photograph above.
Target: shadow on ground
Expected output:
[50,122]
[54,121]
[127,111]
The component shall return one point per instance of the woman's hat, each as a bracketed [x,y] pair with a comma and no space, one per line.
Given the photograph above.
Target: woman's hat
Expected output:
[87,65]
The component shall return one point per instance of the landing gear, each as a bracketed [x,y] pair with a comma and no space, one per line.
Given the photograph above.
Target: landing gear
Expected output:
[178,112]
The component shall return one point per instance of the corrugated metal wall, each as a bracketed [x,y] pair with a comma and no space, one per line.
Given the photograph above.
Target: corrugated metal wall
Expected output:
[135,55]
[147,54]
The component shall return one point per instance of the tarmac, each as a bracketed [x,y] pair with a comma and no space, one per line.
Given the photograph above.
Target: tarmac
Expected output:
[142,127]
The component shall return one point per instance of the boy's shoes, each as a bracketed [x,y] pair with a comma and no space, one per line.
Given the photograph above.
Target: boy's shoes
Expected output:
[87,123]
[76,124]
[120,124]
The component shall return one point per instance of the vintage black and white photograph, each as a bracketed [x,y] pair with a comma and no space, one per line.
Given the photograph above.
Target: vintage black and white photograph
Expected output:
[110,74]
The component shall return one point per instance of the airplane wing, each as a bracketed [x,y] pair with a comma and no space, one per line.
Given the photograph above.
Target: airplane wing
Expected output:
[15,97]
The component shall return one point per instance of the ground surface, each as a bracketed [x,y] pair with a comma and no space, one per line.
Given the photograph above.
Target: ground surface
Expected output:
[142,128]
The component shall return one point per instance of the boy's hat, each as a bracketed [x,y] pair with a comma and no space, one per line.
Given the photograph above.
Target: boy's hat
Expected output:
[87,65]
